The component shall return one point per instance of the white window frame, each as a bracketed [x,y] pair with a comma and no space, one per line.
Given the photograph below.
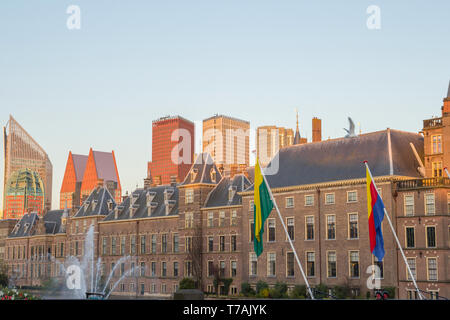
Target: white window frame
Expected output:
[326,198]
[356,196]
[307,204]
[289,206]
[405,204]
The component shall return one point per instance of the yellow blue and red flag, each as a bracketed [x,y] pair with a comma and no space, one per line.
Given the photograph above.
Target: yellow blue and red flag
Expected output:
[376,215]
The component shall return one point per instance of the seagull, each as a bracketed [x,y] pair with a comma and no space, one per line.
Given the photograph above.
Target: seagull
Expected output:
[351,130]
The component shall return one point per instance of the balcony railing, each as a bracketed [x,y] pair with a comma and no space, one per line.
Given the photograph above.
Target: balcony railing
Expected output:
[431,123]
[423,183]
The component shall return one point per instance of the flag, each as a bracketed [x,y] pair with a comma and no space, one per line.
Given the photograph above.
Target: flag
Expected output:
[261,209]
[375,208]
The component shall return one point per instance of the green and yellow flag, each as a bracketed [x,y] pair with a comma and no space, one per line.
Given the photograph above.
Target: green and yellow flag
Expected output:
[262,207]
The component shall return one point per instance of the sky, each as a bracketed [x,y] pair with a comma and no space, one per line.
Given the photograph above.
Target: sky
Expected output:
[131,62]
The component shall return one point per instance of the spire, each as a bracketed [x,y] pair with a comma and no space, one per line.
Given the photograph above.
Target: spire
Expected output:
[297,131]
[448,91]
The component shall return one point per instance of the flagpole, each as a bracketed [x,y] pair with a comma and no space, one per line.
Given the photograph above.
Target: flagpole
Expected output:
[287,234]
[446,171]
[398,242]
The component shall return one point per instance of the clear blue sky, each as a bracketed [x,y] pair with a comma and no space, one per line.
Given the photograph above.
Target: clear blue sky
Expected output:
[134,61]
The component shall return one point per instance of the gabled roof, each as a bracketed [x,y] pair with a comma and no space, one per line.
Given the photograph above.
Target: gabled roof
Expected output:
[140,200]
[219,196]
[79,164]
[100,165]
[342,159]
[202,169]
[97,203]
[52,221]
[25,226]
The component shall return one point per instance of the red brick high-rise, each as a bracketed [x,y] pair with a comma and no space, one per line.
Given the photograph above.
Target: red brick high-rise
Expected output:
[167,141]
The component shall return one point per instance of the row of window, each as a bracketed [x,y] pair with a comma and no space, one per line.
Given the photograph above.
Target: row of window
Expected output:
[222,219]
[430,207]
[233,243]
[353,264]
[432,269]
[430,236]
[352,197]
[353,232]
[221,269]
[114,247]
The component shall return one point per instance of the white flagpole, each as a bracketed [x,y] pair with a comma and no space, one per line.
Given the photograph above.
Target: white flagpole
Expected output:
[446,171]
[396,239]
[287,234]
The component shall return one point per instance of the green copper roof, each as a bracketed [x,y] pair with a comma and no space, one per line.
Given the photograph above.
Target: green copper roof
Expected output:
[25,182]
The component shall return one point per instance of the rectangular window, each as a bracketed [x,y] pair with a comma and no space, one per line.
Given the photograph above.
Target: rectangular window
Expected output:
[271,258]
[143,239]
[432,269]
[309,200]
[210,268]
[290,228]
[189,220]
[429,204]
[153,243]
[163,269]
[253,264]
[410,239]
[164,243]
[210,244]
[436,169]
[310,264]
[431,237]
[104,246]
[353,226]
[188,244]
[122,245]
[233,221]
[271,233]
[222,269]
[251,205]
[153,269]
[175,269]
[309,227]
[233,268]
[331,264]
[289,202]
[352,196]
[233,243]
[448,203]
[189,196]
[436,144]
[133,245]
[222,243]
[409,205]
[210,219]
[354,264]
[412,266]
[252,230]
[331,227]
[142,269]
[176,243]
[221,218]
[290,264]
[379,274]
[188,268]
[329,198]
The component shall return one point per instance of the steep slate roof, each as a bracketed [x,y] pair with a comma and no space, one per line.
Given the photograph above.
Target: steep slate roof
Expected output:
[79,163]
[25,225]
[342,159]
[203,166]
[105,165]
[219,195]
[52,221]
[100,196]
[143,199]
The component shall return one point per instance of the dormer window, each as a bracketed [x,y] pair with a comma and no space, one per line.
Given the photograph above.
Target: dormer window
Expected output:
[25,227]
[194,173]
[151,207]
[213,175]
[168,193]
[134,197]
[16,228]
[149,197]
[169,206]
[133,210]
[94,204]
[110,205]
[116,212]
[86,205]
[231,192]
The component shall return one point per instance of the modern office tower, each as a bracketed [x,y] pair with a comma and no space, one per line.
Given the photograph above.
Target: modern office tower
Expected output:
[270,139]
[227,140]
[316,129]
[26,163]
[172,149]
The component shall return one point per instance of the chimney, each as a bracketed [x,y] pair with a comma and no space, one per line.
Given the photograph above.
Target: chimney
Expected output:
[157,181]
[125,196]
[147,183]
[173,181]
[446,106]
[100,183]
[316,129]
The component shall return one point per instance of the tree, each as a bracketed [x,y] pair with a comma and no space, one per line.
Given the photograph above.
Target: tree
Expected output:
[187,283]
[4,280]
[195,255]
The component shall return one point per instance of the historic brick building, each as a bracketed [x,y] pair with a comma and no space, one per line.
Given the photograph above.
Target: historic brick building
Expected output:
[202,227]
